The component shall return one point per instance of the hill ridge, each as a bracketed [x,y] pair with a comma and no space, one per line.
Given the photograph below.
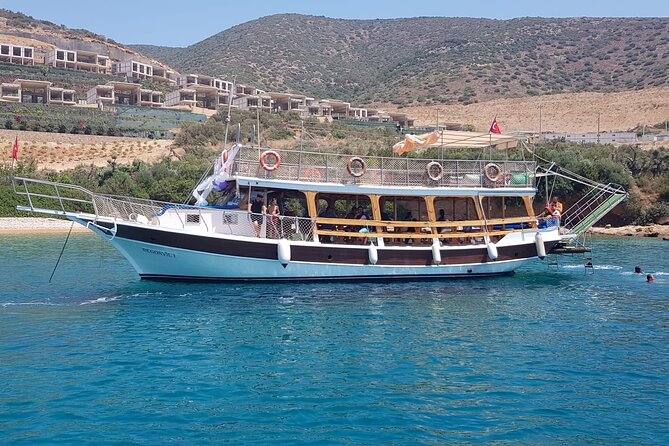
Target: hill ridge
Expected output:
[433,60]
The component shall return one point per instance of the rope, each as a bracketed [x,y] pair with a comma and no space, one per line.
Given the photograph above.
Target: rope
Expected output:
[61,252]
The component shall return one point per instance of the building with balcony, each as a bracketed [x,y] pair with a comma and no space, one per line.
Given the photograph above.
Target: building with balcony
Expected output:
[61,96]
[133,69]
[287,102]
[101,95]
[184,97]
[93,62]
[200,80]
[161,74]
[150,98]
[59,58]
[261,102]
[18,54]
[10,92]
[34,92]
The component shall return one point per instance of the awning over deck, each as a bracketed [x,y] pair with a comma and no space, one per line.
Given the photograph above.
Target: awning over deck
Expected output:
[451,138]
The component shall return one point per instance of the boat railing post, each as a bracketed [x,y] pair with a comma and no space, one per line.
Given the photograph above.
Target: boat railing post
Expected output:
[30,201]
[60,201]
[199,212]
[407,170]
[382,171]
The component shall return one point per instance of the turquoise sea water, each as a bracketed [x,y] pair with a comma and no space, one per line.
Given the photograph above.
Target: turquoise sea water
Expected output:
[543,357]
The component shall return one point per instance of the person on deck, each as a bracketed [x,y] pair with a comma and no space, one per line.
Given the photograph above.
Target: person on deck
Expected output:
[556,206]
[257,210]
[273,214]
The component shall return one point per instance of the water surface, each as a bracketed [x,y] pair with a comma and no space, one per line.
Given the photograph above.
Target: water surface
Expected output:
[544,357]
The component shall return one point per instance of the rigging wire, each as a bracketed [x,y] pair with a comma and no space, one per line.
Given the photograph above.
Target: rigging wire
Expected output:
[61,252]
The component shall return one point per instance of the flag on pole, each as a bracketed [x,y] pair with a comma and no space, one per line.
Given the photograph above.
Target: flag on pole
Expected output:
[15,149]
[494,127]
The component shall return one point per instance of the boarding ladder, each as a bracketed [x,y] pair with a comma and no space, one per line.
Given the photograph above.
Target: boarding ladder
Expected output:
[592,207]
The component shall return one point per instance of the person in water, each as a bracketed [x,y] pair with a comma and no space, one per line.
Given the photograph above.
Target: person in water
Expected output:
[637,270]
[650,278]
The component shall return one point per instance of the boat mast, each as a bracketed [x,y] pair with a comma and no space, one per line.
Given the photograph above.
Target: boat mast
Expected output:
[227,118]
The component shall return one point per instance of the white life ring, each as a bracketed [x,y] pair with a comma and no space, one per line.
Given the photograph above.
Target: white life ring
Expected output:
[265,165]
[434,176]
[492,172]
[356,171]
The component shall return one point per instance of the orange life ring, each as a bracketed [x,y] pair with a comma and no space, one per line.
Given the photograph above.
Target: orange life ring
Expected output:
[225,155]
[356,171]
[312,175]
[434,165]
[263,160]
[492,172]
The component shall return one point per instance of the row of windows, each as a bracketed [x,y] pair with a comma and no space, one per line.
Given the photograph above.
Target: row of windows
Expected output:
[398,208]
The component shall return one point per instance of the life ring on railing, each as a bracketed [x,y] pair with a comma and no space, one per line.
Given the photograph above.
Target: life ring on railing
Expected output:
[434,176]
[225,156]
[492,172]
[312,175]
[356,167]
[263,160]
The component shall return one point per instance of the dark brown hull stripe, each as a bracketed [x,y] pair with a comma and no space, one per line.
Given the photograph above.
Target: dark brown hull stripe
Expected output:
[323,253]
[379,278]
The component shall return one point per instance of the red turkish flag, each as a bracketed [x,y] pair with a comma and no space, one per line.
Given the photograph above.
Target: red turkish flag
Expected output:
[494,127]
[15,149]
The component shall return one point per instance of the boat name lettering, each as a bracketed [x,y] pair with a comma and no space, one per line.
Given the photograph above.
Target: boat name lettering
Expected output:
[160,253]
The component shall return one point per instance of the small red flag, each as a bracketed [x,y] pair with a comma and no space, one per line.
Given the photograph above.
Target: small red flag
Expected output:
[15,149]
[494,127]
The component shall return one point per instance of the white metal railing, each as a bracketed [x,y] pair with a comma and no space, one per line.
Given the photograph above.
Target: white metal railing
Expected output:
[43,195]
[307,166]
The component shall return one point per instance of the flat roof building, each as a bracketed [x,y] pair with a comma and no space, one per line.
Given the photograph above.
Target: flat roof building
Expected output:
[18,54]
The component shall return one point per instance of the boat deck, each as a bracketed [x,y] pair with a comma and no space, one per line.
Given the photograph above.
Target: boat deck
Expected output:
[315,167]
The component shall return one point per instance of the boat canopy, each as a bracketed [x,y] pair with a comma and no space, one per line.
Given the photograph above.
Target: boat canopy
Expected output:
[455,139]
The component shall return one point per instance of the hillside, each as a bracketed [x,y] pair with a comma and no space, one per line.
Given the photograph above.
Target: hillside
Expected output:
[560,113]
[433,60]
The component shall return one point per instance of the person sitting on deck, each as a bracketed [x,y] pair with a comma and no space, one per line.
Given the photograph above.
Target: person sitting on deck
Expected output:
[556,206]
[328,213]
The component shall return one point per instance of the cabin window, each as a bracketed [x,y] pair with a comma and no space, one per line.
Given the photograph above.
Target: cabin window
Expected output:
[504,207]
[456,208]
[403,208]
[294,203]
[344,205]
[193,218]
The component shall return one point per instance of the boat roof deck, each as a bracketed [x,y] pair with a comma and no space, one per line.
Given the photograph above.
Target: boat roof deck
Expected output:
[314,167]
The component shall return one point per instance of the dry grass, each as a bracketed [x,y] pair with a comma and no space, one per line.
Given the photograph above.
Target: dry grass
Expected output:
[61,151]
[560,113]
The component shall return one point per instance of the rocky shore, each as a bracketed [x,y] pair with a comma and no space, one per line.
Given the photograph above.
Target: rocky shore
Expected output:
[661,231]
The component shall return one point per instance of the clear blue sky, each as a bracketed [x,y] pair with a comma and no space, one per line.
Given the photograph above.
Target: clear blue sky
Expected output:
[184,22]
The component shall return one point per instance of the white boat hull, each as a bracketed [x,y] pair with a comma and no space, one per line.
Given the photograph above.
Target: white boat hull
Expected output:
[157,261]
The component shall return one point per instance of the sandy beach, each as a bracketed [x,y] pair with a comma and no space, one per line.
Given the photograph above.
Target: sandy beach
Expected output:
[36,225]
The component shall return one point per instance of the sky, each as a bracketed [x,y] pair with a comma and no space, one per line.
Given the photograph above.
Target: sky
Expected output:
[182,23]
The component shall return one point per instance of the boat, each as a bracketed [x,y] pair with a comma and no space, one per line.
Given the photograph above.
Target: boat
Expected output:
[264,214]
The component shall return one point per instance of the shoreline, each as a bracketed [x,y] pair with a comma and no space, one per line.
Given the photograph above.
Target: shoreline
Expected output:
[39,225]
[650,231]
